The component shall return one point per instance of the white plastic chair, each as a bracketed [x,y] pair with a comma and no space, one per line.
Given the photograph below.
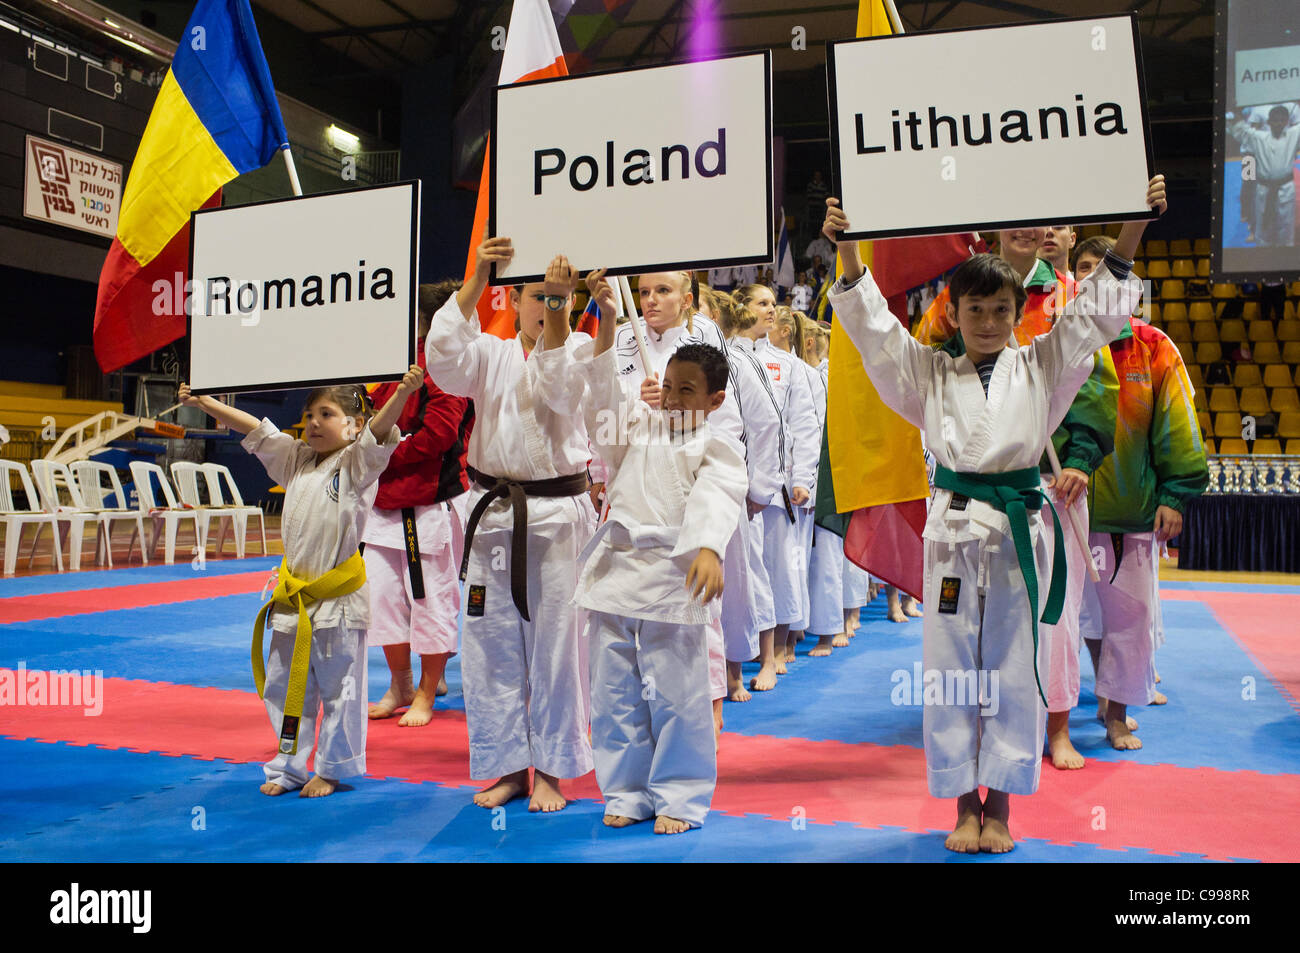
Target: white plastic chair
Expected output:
[165,518]
[15,520]
[99,485]
[185,475]
[228,496]
[49,476]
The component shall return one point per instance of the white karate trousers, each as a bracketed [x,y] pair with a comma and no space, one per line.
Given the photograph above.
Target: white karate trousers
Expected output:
[1061,680]
[1122,615]
[857,584]
[739,633]
[336,683]
[525,683]
[803,527]
[428,625]
[652,718]
[1000,744]
[826,583]
[783,563]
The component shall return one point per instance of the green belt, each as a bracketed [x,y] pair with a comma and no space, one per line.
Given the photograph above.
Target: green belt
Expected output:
[1014,494]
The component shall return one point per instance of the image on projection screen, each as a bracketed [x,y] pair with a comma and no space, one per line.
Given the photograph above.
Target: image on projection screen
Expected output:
[1259,140]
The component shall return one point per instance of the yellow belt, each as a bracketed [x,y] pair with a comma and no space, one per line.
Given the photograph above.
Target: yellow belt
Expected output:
[295,593]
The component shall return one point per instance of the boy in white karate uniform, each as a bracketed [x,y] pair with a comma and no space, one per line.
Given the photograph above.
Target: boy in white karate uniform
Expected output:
[986,415]
[523,660]
[674,500]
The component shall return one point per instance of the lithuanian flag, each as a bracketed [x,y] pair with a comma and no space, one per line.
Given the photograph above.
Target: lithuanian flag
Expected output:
[872,486]
[216,117]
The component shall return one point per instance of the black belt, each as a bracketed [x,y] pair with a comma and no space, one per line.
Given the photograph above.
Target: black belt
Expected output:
[518,491]
[412,552]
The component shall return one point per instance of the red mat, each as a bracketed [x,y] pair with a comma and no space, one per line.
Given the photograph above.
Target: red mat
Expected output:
[54,605]
[1258,622]
[1179,809]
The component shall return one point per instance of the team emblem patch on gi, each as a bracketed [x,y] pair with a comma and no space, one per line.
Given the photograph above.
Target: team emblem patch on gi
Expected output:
[958,502]
[949,593]
[477,600]
[332,488]
[775,370]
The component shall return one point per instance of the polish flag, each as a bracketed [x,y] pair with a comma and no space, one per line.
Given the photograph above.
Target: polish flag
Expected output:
[532,52]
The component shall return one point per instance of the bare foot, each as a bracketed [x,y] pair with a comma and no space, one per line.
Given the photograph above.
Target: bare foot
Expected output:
[670,825]
[1160,699]
[318,787]
[442,687]
[1064,755]
[546,794]
[1120,736]
[824,645]
[873,590]
[779,664]
[738,693]
[271,789]
[399,695]
[840,641]
[853,621]
[717,721]
[618,820]
[995,835]
[420,712]
[506,789]
[765,680]
[1157,678]
[910,608]
[1102,705]
[895,614]
[965,837]
[790,657]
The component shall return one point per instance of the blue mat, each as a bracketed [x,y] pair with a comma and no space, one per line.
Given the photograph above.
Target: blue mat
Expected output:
[102,578]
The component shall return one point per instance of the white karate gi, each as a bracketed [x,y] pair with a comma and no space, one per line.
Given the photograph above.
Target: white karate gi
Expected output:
[428,625]
[326,505]
[1275,158]
[988,627]
[1122,615]
[803,515]
[525,682]
[826,558]
[724,421]
[651,710]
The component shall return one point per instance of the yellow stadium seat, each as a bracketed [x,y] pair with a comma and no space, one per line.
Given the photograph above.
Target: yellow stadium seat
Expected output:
[1180,332]
[1200,311]
[1291,353]
[1293,448]
[1228,423]
[1173,311]
[1180,247]
[1203,268]
[1198,399]
[1289,331]
[1140,269]
[1184,268]
[1222,399]
[1267,446]
[1266,352]
[1202,247]
[1205,331]
[1223,291]
[1206,422]
[1172,289]
[1259,331]
[1233,447]
[1250,311]
[1288,310]
[1285,400]
[1152,311]
[1158,269]
[1294,290]
[1156,248]
[1246,375]
[1277,375]
[1253,400]
[1209,352]
[1194,375]
[1288,425]
[1230,332]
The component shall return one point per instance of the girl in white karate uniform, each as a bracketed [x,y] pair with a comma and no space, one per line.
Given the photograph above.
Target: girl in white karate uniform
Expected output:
[523,659]
[799,452]
[788,336]
[986,414]
[674,498]
[321,605]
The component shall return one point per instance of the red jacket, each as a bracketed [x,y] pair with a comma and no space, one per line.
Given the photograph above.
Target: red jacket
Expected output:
[428,466]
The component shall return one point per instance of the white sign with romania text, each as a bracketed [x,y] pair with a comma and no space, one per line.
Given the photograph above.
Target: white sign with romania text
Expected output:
[72,188]
[304,291]
[1041,123]
[636,170]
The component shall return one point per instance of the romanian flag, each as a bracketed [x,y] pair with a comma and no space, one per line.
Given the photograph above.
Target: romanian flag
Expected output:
[876,491]
[532,52]
[589,322]
[216,117]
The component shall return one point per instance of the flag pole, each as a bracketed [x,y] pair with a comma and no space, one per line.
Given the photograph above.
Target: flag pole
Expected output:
[635,318]
[293,170]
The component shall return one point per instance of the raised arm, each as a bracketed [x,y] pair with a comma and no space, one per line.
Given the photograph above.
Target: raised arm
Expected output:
[1130,235]
[490,251]
[412,381]
[232,417]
